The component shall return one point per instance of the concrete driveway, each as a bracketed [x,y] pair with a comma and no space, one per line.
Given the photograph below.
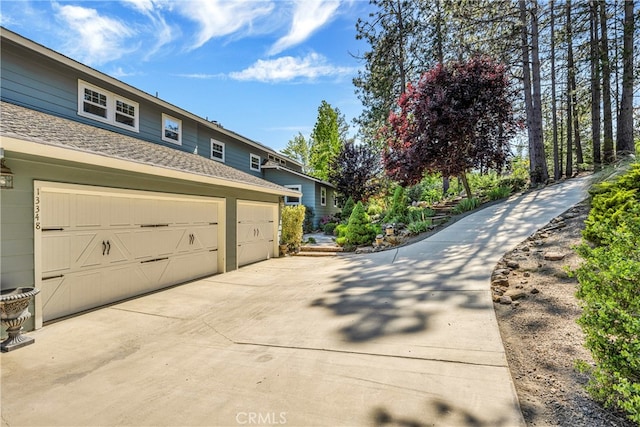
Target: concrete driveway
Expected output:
[403,337]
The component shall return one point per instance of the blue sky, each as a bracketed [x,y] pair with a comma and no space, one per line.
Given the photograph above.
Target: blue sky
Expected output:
[260,68]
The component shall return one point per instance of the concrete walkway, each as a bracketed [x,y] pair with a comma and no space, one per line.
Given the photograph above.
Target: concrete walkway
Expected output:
[402,337]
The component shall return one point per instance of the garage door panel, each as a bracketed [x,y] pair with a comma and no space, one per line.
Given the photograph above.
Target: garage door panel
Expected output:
[88,210]
[140,243]
[207,236]
[120,209]
[58,249]
[55,298]
[256,231]
[58,210]
[107,244]
[167,240]
[144,212]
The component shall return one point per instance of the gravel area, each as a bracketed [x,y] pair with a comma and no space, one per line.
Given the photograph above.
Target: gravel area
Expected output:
[539,329]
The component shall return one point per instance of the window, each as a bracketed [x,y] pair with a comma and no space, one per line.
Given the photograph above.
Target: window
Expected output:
[292,200]
[255,162]
[104,106]
[335,199]
[323,196]
[217,150]
[171,129]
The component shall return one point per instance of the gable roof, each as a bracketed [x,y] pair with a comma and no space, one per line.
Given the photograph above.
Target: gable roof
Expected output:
[8,35]
[31,132]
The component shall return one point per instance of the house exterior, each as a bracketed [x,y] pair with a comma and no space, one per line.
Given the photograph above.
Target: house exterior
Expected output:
[116,192]
[318,195]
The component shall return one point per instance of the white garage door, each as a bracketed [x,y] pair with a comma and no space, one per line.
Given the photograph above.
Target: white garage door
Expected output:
[257,231]
[97,245]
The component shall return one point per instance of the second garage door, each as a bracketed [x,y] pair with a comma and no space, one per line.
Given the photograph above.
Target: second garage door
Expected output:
[257,231]
[98,245]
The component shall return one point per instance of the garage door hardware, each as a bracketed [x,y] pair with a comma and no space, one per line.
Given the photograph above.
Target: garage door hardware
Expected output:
[192,239]
[153,260]
[52,229]
[106,246]
[154,225]
[213,223]
[59,276]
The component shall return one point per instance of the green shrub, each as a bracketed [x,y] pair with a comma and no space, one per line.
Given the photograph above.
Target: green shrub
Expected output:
[418,227]
[419,214]
[498,193]
[611,202]
[340,230]
[329,228]
[347,208]
[359,229]
[609,281]
[341,241]
[466,205]
[375,207]
[292,219]
[307,225]
[398,210]
[481,183]
[516,184]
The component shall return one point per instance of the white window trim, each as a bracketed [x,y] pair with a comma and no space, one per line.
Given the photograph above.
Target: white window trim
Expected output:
[224,149]
[251,158]
[323,196]
[297,187]
[166,116]
[112,98]
[335,199]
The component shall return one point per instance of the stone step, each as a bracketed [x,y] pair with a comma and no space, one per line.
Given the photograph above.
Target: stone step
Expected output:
[320,249]
[316,254]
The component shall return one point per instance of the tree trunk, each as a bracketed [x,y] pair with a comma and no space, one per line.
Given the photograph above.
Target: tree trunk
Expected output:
[607,146]
[440,58]
[557,169]
[537,164]
[538,138]
[465,183]
[624,143]
[595,86]
[570,70]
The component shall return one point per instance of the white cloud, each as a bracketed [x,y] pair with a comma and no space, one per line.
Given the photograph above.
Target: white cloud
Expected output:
[222,17]
[202,76]
[97,39]
[158,30]
[289,68]
[308,16]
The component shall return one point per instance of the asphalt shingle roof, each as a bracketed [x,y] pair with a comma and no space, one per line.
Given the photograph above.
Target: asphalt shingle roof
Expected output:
[42,128]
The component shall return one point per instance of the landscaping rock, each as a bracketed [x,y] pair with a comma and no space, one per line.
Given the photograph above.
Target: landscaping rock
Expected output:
[515,294]
[554,256]
[505,300]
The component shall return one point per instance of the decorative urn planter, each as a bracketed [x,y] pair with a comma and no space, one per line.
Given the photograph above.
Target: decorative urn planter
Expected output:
[14,310]
[284,249]
[389,230]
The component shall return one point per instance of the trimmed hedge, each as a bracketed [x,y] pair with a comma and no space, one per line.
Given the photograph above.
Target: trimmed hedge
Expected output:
[292,219]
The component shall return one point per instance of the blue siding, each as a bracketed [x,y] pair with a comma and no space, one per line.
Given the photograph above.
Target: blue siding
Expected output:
[310,192]
[38,82]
